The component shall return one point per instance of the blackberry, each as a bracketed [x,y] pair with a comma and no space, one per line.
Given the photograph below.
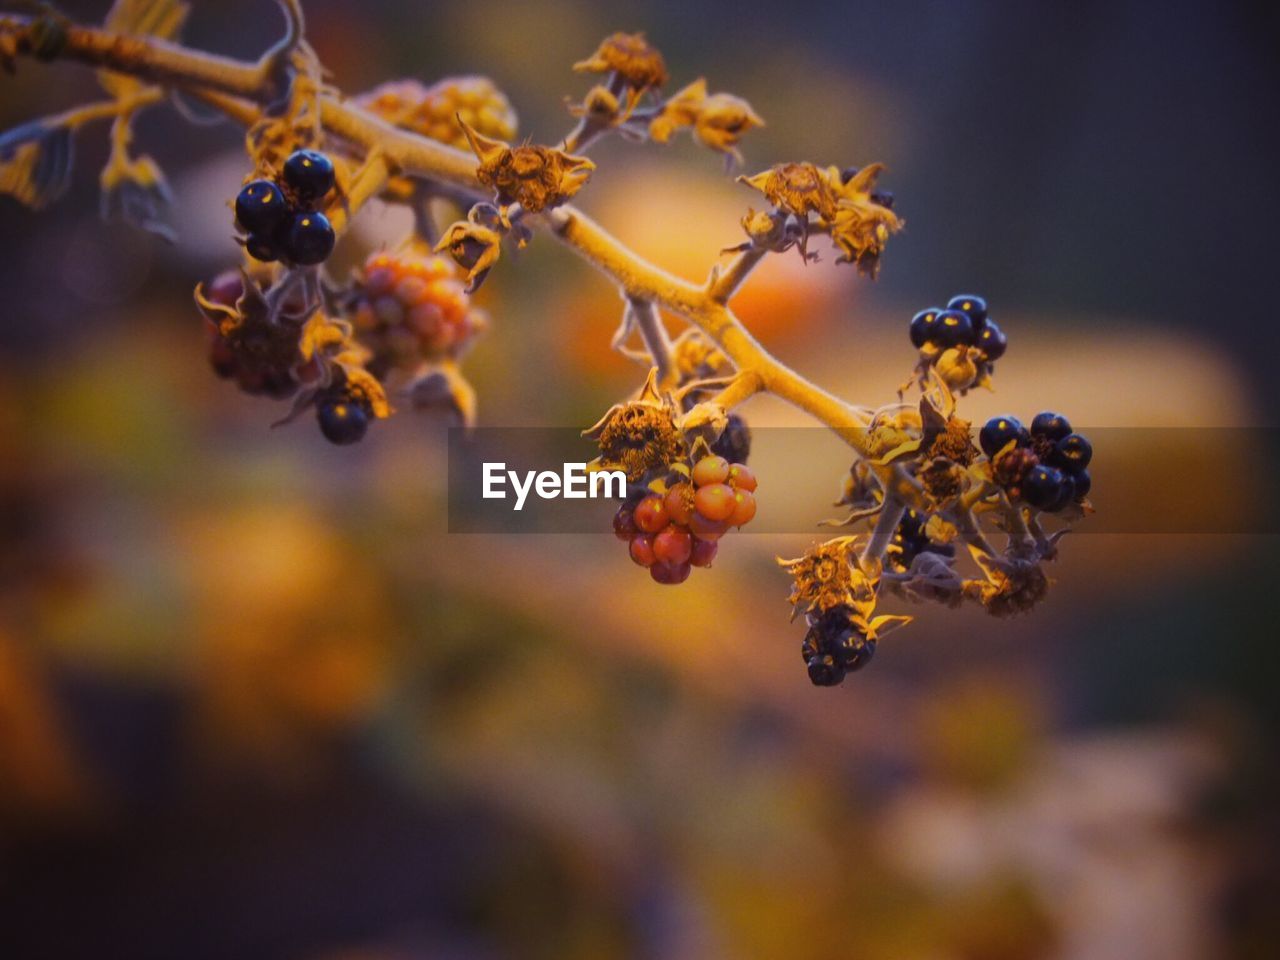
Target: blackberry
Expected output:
[1042,487]
[997,432]
[1083,483]
[309,174]
[734,444]
[310,239]
[262,248]
[1073,453]
[952,329]
[973,306]
[992,341]
[1051,426]
[923,324]
[342,420]
[261,208]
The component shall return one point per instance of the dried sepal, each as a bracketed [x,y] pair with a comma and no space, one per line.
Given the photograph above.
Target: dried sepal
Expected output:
[633,59]
[641,436]
[473,247]
[796,188]
[133,189]
[828,576]
[860,226]
[533,176]
[442,387]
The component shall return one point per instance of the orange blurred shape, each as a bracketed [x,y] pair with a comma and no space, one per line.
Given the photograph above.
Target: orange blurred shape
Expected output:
[680,219]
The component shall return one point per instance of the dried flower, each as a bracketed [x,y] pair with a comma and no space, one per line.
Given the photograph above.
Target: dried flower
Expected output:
[473,247]
[860,226]
[719,120]
[797,188]
[640,437]
[633,59]
[533,176]
[827,576]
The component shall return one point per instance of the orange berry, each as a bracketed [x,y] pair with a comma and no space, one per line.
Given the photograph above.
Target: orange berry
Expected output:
[710,470]
[651,514]
[673,545]
[679,501]
[426,320]
[388,310]
[744,507]
[715,501]
[741,477]
[641,549]
[412,290]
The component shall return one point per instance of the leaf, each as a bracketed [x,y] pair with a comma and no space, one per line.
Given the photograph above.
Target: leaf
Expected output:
[155,18]
[35,163]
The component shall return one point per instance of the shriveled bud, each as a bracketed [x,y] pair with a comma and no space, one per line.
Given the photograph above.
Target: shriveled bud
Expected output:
[473,247]
[536,177]
[630,56]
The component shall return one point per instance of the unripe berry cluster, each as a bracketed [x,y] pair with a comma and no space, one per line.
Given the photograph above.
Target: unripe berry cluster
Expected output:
[408,308]
[1045,467]
[961,341]
[280,218]
[672,529]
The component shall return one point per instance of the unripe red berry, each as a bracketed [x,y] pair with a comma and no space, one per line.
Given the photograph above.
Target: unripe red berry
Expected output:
[642,549]
[744,508]
[741,478]
[705,529]
[651,514]
[704,551]
[679,503]
[624,523]
[673,545]
[710,470]
[715,501]
[225,289]
[669,574]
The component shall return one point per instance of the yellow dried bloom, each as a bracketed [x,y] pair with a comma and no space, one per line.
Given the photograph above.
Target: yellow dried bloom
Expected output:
[632,58]
[797,188]
[474,247]
[719,121]
[536,177]
[641,436]
[860,226]
[827,576]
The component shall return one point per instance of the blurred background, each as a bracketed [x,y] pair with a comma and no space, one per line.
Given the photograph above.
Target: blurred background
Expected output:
[256,702]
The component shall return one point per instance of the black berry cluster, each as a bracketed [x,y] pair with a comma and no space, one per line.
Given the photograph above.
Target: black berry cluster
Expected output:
[833,646]
[1046,467]
[910,540]
[281,219]
[960,340]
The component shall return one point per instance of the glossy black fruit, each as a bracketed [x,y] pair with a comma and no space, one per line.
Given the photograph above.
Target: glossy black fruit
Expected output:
[260,207]
[972,305]
[1083,483]
[1073,452]
[992,341]
[1042,487]
[1050,426]
[953,328]
[310,239]
[734,444]
[261,248]
[309,174]
[997,432]
[923,324]
[342,421]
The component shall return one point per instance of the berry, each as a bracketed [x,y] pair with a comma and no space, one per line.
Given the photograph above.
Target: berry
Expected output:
[310,239]
[923,325]
[624,523]
[704,551]
[1051,426]
[998,432]
[1073,452]
[261,248]
[952,329]
[641,550]
[715,501]
[824,671]
[651,514]
[1066,494]
[992,341]
[669,574]
[1083,483]
[679,503]
[710,470]
[744,508]
[225,289]
[309,174]
[741,478]
[261,208]
[972,305]
[734,444]
[1042,487]
[705,529]
[673,545]
[342,421]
